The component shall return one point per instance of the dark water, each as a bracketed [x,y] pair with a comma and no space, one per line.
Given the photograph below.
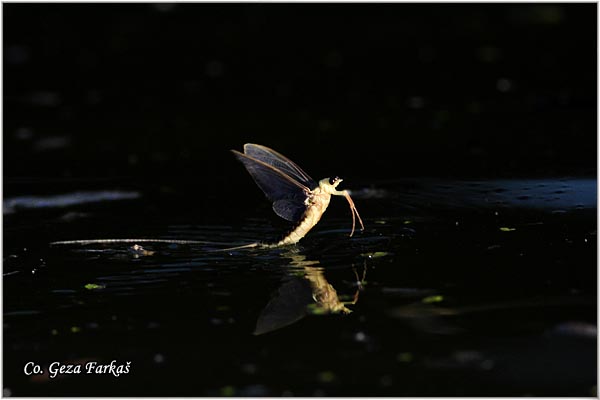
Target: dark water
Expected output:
[483,288]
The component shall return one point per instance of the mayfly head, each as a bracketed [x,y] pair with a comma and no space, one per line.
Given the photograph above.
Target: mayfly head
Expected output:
[329,185]
[335,181]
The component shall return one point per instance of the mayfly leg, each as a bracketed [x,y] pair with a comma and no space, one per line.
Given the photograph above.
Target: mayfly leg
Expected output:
[354,212]
[359,284]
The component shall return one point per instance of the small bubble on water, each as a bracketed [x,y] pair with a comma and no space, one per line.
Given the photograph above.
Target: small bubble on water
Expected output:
[360,337]
[159,358]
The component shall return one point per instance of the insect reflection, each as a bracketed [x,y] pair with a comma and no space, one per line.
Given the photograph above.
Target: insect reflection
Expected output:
[304,292]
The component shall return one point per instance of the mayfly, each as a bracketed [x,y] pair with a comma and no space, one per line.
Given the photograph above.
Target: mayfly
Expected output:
[295,195]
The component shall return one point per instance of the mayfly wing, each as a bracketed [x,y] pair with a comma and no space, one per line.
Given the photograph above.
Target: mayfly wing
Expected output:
[290,209]
[279,162]
[287,194]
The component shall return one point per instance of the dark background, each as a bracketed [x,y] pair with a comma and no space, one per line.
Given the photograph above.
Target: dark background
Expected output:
[372,91]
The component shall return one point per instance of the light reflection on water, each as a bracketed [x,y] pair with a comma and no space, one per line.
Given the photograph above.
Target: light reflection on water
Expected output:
[561,193]
[14,204]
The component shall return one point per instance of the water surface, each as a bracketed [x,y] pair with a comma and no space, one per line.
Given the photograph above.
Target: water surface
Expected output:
[484,288]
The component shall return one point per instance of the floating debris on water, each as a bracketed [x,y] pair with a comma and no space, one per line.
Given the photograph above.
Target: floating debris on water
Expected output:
[227,391]
[433,299]
[94,286]
[326,376]
[138,251]
[376,254]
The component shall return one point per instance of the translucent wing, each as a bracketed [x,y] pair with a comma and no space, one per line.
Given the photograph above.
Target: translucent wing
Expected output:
[289,209]
[279,162]
[287,306]
[286,193]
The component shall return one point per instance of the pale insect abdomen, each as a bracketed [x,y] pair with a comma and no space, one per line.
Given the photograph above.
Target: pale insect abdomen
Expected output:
[317,206]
